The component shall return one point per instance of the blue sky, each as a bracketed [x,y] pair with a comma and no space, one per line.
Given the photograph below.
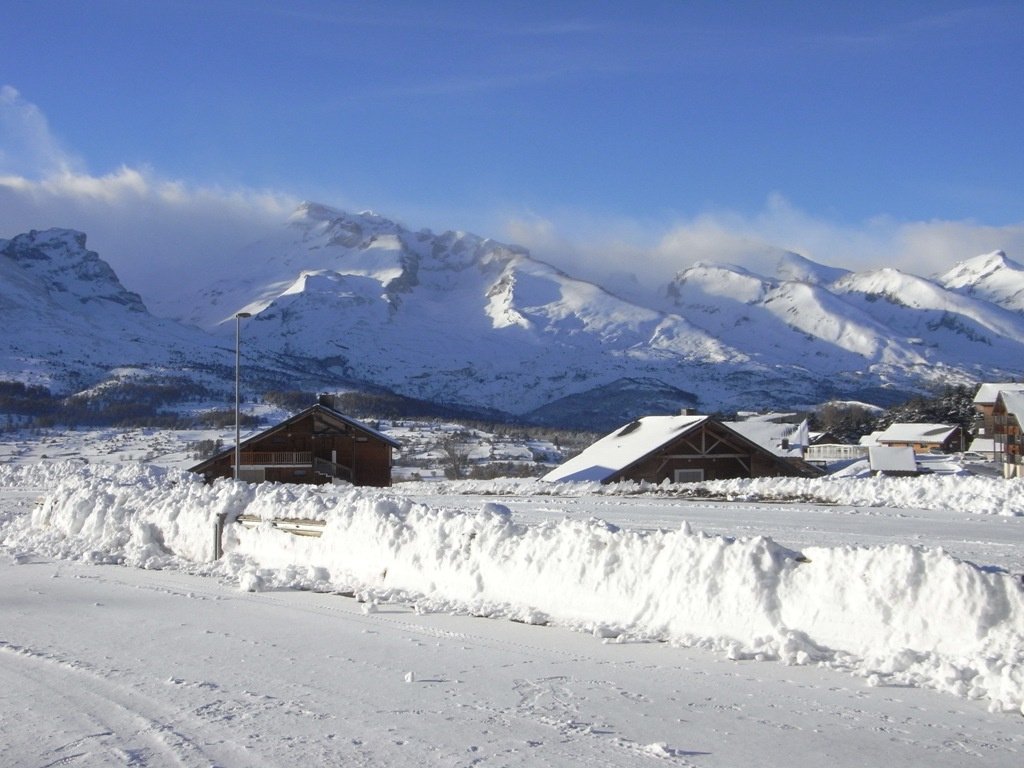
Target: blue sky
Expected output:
[645,135]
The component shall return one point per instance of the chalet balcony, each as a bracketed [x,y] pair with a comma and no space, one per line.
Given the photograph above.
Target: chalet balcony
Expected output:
[276,459]
[299,459]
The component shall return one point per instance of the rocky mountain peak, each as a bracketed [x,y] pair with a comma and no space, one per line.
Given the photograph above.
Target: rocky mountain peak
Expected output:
[66,270]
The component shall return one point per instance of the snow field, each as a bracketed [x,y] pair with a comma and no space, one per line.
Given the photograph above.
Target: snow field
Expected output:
[894,614]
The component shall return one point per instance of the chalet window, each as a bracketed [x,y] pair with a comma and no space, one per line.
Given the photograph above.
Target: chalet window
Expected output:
[688,476]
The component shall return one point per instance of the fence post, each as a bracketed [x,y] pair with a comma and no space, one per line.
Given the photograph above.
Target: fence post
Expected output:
[218,535]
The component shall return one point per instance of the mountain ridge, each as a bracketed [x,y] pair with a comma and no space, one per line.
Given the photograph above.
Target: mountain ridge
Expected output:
[349,302]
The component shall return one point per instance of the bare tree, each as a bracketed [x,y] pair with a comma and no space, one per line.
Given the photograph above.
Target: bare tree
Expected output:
[454,457]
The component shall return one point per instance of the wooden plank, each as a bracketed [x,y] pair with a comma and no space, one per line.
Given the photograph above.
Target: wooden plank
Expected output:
[293,525]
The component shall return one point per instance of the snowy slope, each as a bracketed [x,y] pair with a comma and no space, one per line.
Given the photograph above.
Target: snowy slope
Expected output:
[992,277]
[68,320]
[355,301]
[450,317]
[952,328]
[891,325]
[457,318]
[68,323]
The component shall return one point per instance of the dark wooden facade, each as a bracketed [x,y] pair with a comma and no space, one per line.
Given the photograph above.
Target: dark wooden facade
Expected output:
[318,445]
[710,451]
[1007,416]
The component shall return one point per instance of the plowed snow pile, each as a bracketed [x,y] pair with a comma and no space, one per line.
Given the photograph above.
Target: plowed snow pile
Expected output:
[894,614]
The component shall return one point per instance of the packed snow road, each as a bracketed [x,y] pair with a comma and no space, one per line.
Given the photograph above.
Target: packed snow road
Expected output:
[116,666]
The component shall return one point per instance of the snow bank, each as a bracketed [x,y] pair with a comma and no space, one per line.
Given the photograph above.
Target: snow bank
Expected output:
[134,514]
[894,614]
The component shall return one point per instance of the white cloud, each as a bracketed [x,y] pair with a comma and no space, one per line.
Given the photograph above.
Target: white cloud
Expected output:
[656,251]
[27,145]
[156,234]
[161,235]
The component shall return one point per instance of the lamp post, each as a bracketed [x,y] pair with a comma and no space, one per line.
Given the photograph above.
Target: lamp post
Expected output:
[238,330]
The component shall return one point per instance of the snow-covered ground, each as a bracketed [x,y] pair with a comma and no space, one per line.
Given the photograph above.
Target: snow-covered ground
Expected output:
[509,622]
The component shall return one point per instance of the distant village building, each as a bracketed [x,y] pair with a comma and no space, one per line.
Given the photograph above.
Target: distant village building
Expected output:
[923,438]
[832,452]
[984,406]
[680,449]
[1008,418]
[317,446]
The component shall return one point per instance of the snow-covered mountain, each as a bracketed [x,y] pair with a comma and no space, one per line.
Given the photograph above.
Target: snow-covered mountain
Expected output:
[67,323]
[992,277]
[342,301]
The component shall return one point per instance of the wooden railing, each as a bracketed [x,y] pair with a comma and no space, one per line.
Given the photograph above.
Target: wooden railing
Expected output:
[277,458]
[330,469]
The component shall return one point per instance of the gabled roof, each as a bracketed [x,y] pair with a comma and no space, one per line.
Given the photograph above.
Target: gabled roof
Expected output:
[914,433]
[328,413]
[314,410]
[987,393]
[771,434]
[1014,403]
[624,447]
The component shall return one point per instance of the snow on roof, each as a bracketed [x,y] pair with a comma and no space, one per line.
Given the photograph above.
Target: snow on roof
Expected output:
[889,458]
[770,434]
[1014,402]
[987,393]
[914,433]
[983,445]
[623,447]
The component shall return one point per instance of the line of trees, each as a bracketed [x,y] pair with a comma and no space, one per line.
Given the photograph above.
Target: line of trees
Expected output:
[849,422]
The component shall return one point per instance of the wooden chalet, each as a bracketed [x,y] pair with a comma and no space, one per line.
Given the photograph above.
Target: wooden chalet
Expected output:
[984,423]
[1008,421]
[985,404]
[679,449]
[921,437]
[317,446]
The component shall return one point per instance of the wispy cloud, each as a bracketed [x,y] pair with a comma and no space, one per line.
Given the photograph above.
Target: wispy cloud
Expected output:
[941,28]
[27,145]
[656,250]
[153,231]
[159,232]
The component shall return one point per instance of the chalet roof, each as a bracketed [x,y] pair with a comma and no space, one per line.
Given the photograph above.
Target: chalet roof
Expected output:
[987,393]
[330,414]
[983,445]
[914,433]
[314,410]
[1014,403]
[771,434]
[890,458]
[624,447]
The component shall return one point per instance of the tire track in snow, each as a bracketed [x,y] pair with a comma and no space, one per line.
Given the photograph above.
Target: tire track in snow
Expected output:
[104,722]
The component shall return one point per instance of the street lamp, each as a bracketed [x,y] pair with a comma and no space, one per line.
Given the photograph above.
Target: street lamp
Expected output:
[238,329]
